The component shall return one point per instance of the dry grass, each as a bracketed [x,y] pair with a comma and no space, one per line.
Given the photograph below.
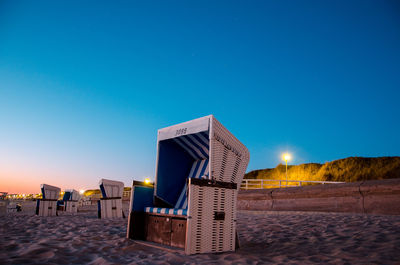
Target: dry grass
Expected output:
[348,170]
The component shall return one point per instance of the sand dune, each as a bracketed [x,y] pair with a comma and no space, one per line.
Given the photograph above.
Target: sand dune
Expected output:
[266,237]
[348,169]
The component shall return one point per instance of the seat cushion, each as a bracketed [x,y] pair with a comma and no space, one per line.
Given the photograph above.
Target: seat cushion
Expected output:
[169,211]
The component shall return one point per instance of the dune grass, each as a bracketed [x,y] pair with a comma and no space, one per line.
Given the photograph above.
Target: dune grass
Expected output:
[349,169]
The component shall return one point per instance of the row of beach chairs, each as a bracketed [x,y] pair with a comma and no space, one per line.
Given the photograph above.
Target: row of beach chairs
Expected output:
[50,204]
[109,206]
[192,203]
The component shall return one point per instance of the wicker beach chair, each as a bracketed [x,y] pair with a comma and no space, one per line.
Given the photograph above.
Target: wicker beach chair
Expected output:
[110,205]
[47,206]
[12,207]
[3,203]
[70,201]
[199,168]
[3,207]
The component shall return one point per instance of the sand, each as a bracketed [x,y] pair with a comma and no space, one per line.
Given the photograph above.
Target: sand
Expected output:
[266,238]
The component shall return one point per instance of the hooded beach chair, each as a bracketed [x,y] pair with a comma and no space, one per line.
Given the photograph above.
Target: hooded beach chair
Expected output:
[3,203]
[47,206]
[70,201]
[110,205]
[13,207]
[199,168]
[3,207]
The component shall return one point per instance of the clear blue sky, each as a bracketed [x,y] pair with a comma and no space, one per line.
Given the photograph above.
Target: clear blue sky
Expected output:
[84,85]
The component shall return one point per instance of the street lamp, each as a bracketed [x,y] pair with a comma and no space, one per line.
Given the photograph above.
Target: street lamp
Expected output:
[286,157]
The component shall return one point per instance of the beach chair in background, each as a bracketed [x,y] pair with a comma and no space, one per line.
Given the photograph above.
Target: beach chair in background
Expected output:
[3,207]
[47,206]
[70,201]
[12,207]
[110,205]
[200,166]
[3,203]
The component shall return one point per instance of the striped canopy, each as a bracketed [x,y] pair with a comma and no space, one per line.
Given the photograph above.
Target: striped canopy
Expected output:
[196,145]
[180,158]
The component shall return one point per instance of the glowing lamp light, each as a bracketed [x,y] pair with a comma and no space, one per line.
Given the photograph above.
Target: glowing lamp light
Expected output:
[286,157]
[147,181]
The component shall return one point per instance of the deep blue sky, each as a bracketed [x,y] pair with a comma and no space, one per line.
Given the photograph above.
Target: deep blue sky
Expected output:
[84,85]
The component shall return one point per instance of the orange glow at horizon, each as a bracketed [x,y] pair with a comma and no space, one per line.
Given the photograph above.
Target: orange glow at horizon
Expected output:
[29,183]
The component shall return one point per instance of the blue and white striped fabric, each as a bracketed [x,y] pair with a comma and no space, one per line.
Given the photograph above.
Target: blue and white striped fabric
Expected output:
[198,170]
[197,145]
[166,211]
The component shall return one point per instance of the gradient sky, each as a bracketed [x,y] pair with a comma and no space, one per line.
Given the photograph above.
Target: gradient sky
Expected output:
[84,85]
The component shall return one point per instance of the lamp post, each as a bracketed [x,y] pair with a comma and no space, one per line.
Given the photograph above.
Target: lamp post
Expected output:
[286,157]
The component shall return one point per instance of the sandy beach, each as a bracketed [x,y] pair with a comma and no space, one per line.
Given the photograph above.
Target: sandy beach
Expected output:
[265,238]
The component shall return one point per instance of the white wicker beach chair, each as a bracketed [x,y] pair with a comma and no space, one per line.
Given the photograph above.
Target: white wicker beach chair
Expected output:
[3,203]
[70,199]
[110,205]
[12,207]
[47,206]
[199,168]
[3,207]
